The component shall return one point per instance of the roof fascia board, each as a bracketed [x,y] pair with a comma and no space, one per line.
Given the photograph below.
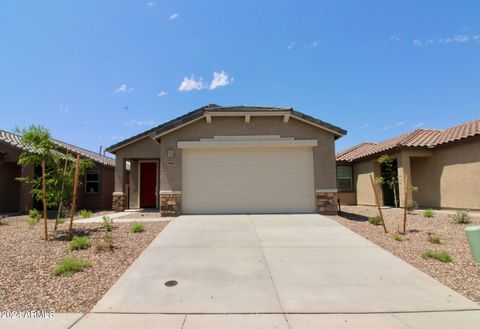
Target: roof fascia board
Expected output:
[336,133]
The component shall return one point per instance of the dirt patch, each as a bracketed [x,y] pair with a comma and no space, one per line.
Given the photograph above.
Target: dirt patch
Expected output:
[462,275]
[27,261]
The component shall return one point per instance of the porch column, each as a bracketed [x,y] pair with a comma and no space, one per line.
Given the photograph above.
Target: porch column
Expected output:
[403,162]
[119,202]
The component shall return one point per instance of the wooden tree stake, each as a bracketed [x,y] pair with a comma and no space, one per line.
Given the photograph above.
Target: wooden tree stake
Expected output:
[405,205]
[44,195]
[74,199]
[378,204]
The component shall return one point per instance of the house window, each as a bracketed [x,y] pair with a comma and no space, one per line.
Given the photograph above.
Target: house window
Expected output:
[92,181]
[344,178]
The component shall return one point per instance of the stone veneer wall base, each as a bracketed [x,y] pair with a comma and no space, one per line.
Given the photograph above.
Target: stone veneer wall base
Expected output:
[170,204]
[119,202]
[327,203]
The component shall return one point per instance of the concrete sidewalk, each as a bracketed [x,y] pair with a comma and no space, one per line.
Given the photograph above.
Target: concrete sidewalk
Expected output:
[274,271]
[119,217]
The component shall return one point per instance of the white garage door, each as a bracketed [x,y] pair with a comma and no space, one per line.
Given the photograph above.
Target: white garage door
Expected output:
[254,180]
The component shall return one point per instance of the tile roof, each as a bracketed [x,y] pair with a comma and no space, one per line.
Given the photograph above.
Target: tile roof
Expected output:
[17,142]
[198,113]
[428,138]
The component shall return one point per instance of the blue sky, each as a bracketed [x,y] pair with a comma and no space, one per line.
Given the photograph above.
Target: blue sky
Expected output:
[96,72]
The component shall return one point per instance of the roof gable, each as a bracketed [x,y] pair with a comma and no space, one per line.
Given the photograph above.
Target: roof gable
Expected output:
[214,109]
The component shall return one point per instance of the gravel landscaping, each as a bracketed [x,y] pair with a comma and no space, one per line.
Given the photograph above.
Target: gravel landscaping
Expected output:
[462,274]
[27,262]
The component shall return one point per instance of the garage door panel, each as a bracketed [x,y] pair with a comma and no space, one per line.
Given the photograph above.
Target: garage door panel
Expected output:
[247,180]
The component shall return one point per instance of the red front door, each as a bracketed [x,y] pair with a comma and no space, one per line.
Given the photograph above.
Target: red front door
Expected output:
[148,182]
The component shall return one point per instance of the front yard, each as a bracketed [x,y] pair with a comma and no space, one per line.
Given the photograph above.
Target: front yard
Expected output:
[461,274]
[27,262]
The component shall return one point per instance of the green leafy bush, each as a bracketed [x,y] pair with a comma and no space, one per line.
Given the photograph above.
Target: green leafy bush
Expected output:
[462,217]
[412,206]
[398,237]
[31,223]
[34,214]
[107,223]
[61,220]
[85,213]
[432,238]
[429,213]
[137,227]
[79,243]
[70,265]
[376,220]
[106,244]
[442,256]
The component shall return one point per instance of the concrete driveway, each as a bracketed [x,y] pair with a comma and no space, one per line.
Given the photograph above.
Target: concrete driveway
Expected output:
[275,271]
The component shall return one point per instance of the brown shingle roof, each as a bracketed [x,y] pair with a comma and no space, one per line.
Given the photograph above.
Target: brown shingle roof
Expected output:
[428,138]
[190,116]
[17,142]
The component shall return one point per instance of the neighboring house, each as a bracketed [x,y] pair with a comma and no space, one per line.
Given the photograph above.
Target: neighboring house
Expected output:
[240,159]
[94,193]
[443,164]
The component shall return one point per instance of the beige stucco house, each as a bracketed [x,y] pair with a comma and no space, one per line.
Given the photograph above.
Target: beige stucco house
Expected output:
[95,191]
[240,159]
[443,164]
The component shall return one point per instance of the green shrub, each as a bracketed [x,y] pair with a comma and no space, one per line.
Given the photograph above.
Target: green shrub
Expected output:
[462,217]
[85,213]
[432,238]
[412,206]
[106,244]
[70,265]
[136,227]
[34,214]
[398,237]
[376,220]
[442,256]
[429,213]
[61,220]
[31,223]
[107,223]
[79,243]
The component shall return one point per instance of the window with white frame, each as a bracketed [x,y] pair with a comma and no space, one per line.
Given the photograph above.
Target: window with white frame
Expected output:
[92,181]
[344,178]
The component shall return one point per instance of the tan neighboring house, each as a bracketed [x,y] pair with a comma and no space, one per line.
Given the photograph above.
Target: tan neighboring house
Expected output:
[95,192]
[443,164]
[240,159]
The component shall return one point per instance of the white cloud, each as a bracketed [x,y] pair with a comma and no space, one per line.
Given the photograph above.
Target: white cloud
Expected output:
[192,83]
[162,93]
[418,124]
[400,123]
[365,125]
[392,38]
[140,123]
[63,108]
[291,45]
[220,79]
[150,4]
[313,44]
[173,16]
[458,38]
[386,127]
[123,89]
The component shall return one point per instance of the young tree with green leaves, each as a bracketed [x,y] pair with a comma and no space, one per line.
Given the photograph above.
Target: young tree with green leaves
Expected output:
[389,176]
[59,168]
